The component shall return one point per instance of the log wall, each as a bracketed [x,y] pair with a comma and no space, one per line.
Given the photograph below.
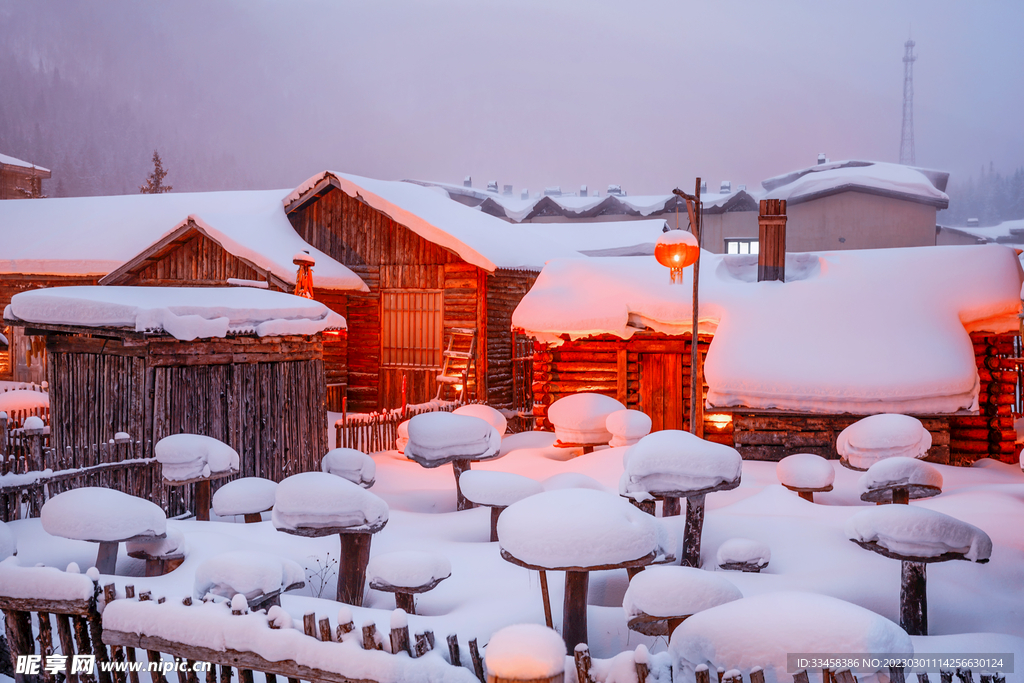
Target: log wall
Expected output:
[14,181]
[264,397]
[388,255]
[13,283]
[505,289]
[615,367]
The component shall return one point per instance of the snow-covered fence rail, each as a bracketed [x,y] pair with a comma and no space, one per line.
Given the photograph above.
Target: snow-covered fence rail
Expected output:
[23,495]
[372,432]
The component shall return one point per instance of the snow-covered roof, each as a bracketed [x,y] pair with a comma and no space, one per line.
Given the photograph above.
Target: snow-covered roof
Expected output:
[95,235]
[265,239]
[1006,232]
[861,331]
[919,185]
[11,161]
[516,209]
[185,313]
[482,240]
[609,238]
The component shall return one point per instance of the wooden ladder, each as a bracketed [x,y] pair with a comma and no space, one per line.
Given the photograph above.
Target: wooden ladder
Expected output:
[459,356]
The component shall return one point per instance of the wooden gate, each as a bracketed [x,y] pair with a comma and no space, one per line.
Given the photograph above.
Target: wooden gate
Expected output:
[662,390]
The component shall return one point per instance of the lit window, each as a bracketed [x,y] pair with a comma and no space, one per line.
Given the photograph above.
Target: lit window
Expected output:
[741,246]
[411,328]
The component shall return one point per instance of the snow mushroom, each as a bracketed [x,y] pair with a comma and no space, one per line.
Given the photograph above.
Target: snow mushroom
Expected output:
[806,473]
[486,413]
[581,419]
[248,496]
[497,490]
[348,463]
[407,572]
[899,480]
[660,598]
[877,437]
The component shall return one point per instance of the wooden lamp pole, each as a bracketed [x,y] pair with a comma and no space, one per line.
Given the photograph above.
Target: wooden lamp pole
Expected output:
[696,214]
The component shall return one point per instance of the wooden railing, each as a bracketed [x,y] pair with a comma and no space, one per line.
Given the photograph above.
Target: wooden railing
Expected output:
[372,432]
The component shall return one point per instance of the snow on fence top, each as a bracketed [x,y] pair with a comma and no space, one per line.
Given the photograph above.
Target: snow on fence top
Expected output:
[894,322]
[478,238]
[185,313]
[873,177]
[42,583]
[264,238]
[95,235]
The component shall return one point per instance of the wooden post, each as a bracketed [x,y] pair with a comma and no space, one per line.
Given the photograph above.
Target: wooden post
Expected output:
[400,640]
[19,636]
[771,257]
[914,599]
[106,557]
[478,662]
[67,646]
[35,449]
[701,674]
[581,654]
[901,496]
[454,655]
[405,601]
[370,637]
[3,435]
[574,609]
[495,513]
[45,641]
[670,507]
[692,532]
[460,466]
[203,500]
[696,366]
[355,554]
[325,630]
[547,598]
[806,495]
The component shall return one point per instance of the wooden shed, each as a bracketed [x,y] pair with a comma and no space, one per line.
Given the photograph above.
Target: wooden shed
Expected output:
[783,377]
[20,179]
[247,250]
[443,281]
[241,365]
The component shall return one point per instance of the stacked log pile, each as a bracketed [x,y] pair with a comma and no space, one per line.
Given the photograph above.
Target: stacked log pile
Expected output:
[990,434]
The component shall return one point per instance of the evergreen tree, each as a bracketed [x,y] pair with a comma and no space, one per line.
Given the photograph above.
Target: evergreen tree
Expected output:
[155,181]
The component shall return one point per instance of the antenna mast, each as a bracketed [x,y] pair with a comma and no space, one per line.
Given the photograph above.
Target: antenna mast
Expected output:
[907,138]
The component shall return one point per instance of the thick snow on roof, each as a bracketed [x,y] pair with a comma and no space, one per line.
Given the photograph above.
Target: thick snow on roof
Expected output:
[610,238]
[863,331]
[95,235]
[268,240]
[183,312]
[11,161]
[480,239]
[874,177]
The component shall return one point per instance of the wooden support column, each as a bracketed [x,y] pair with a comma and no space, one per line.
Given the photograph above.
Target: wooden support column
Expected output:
[692,531]
[771,230]
[914,599]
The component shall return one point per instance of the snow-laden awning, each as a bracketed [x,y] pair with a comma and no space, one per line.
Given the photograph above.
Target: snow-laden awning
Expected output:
[480,239]
[864,331]
[185,313]
[11,161]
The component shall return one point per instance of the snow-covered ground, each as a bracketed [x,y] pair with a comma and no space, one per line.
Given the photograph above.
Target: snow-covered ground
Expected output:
[968,603]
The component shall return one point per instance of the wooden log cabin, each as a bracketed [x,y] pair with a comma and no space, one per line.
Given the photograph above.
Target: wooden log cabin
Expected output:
[20,179]
[443,281]
[244,366]
[790,365]
[75,241]
[255,251]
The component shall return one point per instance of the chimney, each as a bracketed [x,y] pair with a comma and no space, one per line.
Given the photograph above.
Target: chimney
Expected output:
[508,191]
[771,229]
[703,187]
[583,190]
[525,193]
[492,186]
[468,181]
[726,187]
[821,158]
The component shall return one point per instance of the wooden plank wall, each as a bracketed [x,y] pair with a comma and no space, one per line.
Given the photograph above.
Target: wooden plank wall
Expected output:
[13,283]
[196,261]
[387,255]
[264,397]
[11,179]
[97,389]
[505,289]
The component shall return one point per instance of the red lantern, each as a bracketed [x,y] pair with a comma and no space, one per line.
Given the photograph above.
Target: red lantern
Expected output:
[676,249]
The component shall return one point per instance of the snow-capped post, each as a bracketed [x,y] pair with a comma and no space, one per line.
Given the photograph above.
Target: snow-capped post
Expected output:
[304,275]
[899,480]
[771,227]
[677,464]
[806,474]
[524,653]
[439,438]
[196,459]
[696,214]
[406,573]
[34,429]
[660,598]
[315,504]
[497,490]
[917,536]
[3,437]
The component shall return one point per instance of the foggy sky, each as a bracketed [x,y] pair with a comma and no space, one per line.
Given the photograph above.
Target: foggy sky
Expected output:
[537,93]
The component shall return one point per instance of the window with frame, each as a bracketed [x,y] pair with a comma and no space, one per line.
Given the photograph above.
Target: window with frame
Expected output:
[411,327]
[741,246]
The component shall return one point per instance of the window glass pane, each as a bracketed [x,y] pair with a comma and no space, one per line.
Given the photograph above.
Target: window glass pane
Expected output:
[411,328]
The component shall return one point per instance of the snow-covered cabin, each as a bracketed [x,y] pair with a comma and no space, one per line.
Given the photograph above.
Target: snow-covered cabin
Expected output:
[434,268]
[239,364]
[922,331]
[20,179]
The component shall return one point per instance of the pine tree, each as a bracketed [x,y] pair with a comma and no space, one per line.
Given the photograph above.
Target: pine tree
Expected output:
[155,181]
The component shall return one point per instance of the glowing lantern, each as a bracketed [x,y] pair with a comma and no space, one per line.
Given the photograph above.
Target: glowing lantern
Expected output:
[676,249]
[304,276]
